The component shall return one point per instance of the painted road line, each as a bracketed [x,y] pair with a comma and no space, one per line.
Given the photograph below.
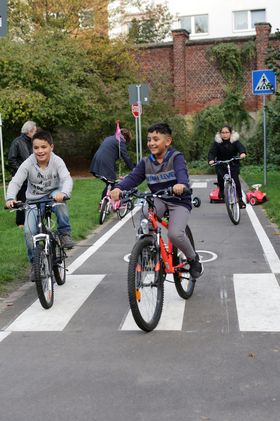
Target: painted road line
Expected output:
[68,299]
[199,185]
[257,298]
[4,335]
[99,243]
[269,252]
[172,313]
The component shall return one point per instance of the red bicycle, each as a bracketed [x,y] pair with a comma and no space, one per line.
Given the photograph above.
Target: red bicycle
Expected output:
[150,261]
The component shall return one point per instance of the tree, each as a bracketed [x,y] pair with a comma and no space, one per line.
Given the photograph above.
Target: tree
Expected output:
[152,25]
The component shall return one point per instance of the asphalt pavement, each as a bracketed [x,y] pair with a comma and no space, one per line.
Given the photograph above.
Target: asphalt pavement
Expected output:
[213,357]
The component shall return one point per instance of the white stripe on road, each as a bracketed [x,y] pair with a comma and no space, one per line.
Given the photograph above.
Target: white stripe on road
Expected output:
[269,252]
[3,335]
[257,298]
[92,249]
[172,313]
[199,185]
[68,300]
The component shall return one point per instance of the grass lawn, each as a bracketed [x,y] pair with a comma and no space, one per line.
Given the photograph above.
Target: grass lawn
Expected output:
[83,217]
[254,175]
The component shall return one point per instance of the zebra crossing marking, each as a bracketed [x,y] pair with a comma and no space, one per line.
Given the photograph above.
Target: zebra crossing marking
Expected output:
[68,299]
[257,297]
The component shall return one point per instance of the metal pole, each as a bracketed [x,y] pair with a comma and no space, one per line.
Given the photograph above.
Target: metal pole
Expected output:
[136,139]
[264,141]
[2,159]
[139,120]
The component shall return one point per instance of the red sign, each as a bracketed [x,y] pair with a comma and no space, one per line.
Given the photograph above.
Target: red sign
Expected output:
[136,109]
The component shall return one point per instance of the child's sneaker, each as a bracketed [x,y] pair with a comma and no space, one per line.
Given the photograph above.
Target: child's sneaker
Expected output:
[66,241]
[242,205]
[196,268]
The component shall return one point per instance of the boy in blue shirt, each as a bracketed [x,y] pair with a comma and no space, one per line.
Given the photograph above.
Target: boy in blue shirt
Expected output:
[166,167]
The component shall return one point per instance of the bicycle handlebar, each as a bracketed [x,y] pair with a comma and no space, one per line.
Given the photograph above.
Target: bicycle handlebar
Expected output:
[227,161]
[165,193]
[24,205]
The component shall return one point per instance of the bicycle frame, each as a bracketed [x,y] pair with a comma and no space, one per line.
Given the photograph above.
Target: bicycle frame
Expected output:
[166,250]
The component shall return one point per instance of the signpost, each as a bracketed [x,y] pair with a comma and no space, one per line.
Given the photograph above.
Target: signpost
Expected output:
[264,83]
[3,18]
[3,32]
[138,95]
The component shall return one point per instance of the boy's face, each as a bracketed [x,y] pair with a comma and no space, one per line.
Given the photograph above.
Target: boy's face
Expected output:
[158,144]
[42,150]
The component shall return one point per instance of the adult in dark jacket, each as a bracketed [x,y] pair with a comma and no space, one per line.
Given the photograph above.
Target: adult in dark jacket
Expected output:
[227,146]
[19,151]
[104,162]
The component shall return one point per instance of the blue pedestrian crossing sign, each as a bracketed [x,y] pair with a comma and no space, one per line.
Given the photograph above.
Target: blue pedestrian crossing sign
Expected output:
[263,82]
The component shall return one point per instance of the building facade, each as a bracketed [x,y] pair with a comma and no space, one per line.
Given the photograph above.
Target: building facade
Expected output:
[198,82]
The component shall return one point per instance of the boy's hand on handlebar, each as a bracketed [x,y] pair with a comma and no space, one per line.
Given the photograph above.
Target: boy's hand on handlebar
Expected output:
[179,189]
[10,204]
[59,197]
[115,194]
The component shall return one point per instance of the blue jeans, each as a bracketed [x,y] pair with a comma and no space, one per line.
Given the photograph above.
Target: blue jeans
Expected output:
[30,224]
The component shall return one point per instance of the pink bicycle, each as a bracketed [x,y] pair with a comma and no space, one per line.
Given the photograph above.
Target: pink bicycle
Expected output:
[108,205]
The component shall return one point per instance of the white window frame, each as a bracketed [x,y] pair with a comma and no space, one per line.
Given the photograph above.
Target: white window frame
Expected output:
[249,19]
[193,33]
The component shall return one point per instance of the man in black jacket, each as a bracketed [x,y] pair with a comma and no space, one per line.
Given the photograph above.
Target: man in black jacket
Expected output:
[19,151]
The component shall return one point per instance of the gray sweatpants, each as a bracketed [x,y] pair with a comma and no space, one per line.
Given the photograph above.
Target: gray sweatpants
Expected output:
[178,220]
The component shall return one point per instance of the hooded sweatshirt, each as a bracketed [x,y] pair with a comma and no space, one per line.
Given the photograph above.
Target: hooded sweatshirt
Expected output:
[41,182]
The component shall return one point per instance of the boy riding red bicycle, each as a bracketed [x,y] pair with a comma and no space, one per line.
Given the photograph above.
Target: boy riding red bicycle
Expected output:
[165,168]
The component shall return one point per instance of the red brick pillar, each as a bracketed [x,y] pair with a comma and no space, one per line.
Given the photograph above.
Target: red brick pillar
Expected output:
[180,36]
[262,40]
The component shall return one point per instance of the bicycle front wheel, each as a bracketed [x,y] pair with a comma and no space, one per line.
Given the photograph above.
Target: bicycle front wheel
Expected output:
[104,210]
[232,203]
[59,266]
[145,284]
[43,276]
[183,282]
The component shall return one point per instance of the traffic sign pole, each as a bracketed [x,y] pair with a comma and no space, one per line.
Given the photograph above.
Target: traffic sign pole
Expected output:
[139,122]
[264,141]
[264,83]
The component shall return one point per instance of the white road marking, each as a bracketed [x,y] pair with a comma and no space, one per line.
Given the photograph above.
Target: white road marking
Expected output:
[172,313]
[68,299]
[269,252]
[102,240]
[257,298]
[3,335]
[199,185]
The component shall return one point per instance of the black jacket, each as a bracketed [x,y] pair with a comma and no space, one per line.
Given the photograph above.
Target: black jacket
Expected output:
[104,161]
[19,151]
[221,150]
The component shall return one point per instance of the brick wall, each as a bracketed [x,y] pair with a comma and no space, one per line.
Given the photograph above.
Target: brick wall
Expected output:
[198,82]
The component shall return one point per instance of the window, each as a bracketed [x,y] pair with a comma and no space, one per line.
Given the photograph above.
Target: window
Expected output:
[245,19]
[197,24]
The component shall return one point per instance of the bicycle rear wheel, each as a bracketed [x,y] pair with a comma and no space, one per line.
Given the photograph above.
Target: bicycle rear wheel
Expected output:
[183,282]
[104,210]
[232,203]
[59,266]
[145,284]
[43,276]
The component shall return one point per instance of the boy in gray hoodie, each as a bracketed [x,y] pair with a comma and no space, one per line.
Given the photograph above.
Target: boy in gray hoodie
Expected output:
[47,176]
